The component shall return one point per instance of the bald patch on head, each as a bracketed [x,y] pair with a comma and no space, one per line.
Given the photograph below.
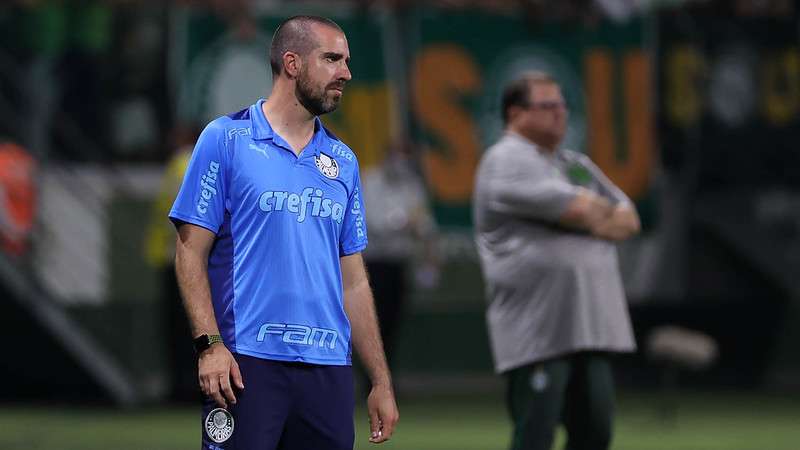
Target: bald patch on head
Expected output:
[296,35]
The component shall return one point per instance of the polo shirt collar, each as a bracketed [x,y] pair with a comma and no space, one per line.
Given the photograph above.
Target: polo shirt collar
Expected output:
[262,130]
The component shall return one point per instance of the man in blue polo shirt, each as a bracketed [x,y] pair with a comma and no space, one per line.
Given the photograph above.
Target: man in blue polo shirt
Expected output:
[270,224]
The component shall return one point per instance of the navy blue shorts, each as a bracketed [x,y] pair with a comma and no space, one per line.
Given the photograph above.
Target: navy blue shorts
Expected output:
[284,406]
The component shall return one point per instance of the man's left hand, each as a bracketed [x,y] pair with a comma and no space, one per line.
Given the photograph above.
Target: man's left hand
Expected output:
[383,414]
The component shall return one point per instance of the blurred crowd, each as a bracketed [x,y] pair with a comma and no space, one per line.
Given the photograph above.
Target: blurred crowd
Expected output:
[76,74]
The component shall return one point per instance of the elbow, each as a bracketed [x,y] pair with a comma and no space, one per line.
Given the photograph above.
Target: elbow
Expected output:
[634,223]
[188,257]
[182,251]
[356,289]
[628,220]
[630,227]
[636,228]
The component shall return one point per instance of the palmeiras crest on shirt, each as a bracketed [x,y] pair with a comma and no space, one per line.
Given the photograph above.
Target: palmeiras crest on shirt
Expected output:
[219,425]
[327,165]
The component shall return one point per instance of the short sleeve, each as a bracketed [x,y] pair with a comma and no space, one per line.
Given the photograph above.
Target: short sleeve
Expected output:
[523,185]
[201,198]
[353,238]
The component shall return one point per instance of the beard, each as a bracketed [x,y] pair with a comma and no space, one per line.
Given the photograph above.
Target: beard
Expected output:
[316,101]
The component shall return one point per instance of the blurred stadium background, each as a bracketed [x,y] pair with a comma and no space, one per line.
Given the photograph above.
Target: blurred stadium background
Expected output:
[690,106]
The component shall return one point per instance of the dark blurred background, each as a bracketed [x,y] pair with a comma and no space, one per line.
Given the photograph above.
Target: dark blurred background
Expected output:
[690,106]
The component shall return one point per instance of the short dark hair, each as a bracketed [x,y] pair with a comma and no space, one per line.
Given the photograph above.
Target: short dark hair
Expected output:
[295,35]
[517,92]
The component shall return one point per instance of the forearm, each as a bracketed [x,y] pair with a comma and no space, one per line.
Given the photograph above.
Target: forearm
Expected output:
[191,269]
[366,336]
[586,212]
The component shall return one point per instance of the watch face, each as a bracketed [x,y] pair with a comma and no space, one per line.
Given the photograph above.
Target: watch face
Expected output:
[204,341]
[201,343]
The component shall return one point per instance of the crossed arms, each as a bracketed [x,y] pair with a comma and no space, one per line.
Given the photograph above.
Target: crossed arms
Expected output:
[596,215]
[515,187]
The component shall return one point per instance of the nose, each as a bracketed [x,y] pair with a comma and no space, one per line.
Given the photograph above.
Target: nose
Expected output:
[344,73]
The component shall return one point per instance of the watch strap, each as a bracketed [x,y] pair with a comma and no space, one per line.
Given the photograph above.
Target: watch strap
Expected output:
[204,341]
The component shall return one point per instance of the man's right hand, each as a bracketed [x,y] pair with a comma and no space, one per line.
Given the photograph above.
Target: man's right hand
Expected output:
[217,369]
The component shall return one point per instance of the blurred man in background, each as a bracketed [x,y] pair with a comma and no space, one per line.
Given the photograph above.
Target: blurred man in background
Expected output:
[270,223]
[402,231]
[546,221]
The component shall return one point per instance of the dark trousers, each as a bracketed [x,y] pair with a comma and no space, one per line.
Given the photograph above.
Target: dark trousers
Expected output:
[284,406]
[576,390]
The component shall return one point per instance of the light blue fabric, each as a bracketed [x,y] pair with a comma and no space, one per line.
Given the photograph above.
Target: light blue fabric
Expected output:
[282,223]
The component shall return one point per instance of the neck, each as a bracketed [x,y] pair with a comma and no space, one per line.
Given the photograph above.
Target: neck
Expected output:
[542,143]
[285,113]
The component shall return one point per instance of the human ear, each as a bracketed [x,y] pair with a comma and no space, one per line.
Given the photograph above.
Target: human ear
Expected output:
[292,64]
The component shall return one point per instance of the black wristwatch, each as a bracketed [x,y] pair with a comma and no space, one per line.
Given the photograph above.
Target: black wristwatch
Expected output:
[204,341]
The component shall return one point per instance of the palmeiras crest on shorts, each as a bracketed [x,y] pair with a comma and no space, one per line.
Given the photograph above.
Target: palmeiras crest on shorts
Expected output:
[219,425]
[327,165]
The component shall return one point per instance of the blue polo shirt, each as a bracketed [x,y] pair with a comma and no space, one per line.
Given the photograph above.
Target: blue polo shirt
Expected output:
[281,222]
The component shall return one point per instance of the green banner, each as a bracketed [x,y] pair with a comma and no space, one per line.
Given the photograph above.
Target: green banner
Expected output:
[464,60]
[457,68]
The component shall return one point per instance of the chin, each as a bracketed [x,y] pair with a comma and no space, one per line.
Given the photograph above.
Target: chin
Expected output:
[331,106]
[334,101]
